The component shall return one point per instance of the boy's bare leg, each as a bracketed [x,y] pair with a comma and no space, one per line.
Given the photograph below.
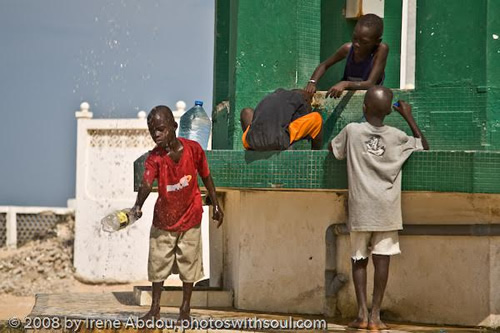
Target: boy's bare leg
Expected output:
[317,142]
[185,309]
[359,278]
[381,264]
[155,303]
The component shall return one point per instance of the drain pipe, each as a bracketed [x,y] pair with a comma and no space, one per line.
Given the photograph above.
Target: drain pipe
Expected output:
[335,281]
[478,230]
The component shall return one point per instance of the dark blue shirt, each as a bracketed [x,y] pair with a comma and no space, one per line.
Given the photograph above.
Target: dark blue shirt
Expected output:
[359,71]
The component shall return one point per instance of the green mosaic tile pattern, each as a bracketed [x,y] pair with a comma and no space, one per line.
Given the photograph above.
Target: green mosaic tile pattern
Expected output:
[221,55]
[220,126]
[392,37]
[450,43]
[493,75]
[486,175]
[440,171]
[308,38]
[457,97]
[452,118]
[335,31]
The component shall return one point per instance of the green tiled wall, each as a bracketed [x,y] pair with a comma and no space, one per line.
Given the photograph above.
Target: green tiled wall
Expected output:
[450,43]
[452,118]
[457,100]
[443,171]
[335,31]
[262,45]
[493,74]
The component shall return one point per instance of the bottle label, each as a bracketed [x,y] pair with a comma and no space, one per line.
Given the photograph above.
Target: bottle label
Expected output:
[123,218]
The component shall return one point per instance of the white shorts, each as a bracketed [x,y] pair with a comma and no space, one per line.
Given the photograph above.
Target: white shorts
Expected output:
[375,242]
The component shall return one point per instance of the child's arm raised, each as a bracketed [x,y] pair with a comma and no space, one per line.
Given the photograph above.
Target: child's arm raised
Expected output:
[322,68]
[379,61]
[218,215]
[404,110]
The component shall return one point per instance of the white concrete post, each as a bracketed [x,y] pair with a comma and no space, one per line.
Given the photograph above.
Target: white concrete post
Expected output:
[84,112]
[11,228]
[106,151]
[181,108]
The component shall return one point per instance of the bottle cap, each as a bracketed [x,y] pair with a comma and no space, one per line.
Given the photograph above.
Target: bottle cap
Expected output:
[200,103]
[396,104]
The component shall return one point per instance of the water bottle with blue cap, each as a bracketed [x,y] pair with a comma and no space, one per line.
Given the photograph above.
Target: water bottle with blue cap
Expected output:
[195,125]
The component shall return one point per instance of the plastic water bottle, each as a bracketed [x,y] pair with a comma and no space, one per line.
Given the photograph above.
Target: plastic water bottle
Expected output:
[195,125]
[117,220]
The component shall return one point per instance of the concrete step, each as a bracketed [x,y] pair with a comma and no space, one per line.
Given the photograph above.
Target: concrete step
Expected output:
[118,312]
[202,297]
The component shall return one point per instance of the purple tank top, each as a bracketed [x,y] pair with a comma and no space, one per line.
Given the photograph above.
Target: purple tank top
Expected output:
[359,71]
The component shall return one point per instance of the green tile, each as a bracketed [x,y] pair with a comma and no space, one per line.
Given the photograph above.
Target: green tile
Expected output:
[441,171]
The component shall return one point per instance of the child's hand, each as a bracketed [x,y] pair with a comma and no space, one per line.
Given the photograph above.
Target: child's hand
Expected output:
[403,108]
[218,215]
[310,88]
[336,90]
[136,212]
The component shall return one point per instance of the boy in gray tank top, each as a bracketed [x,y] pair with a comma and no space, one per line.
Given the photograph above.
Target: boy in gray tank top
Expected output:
[375,155]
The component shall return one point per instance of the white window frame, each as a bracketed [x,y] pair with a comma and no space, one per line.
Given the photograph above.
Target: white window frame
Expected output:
[408,46]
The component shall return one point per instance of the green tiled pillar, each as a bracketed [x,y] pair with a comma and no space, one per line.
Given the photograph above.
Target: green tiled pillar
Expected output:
[450,41]
[262,45]
[451,72]
[493,74]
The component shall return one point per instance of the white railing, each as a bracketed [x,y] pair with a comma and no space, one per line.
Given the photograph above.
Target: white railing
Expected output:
[11,223]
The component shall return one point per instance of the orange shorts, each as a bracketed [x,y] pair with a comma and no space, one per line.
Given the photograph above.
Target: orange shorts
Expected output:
[306,126]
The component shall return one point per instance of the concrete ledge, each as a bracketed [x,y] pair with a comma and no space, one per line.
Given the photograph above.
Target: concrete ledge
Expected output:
[446,171]
[202,297]
[292,247]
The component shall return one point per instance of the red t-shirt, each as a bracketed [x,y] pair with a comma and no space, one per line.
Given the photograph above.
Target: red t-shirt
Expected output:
[178,207]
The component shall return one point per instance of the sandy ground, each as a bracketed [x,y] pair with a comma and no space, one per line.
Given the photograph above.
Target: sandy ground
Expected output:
[45,266]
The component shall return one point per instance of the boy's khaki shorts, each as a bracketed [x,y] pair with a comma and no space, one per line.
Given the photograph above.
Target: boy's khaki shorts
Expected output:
[375,242]
[175,253]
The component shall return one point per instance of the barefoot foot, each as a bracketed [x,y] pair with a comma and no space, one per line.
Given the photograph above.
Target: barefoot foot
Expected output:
[152,313]
[184,314]
[376,325]
[359,323]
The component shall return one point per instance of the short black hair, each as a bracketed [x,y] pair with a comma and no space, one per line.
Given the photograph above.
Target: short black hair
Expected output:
[374,22]
[164,110]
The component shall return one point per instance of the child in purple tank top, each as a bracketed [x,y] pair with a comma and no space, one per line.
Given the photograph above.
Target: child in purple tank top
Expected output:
[366,58]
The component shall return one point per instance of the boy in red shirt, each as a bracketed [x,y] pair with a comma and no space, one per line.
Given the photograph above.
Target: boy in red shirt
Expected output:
[175,238]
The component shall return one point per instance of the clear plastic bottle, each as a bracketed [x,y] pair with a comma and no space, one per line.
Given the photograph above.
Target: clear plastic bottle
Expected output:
[195,125]
[117,220]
